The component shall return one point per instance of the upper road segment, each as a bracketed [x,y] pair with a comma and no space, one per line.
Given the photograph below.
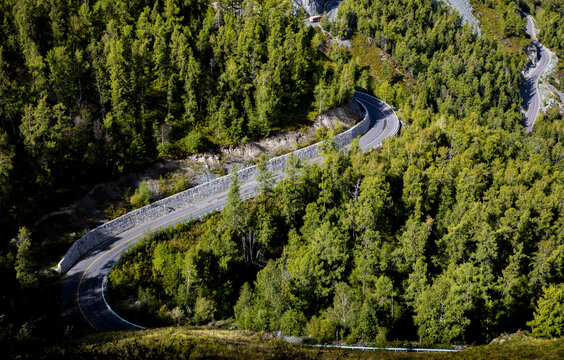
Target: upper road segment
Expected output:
[83,286]
[540,64]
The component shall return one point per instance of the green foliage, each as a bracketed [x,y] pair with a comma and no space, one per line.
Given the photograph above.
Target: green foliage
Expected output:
[26,332]
[549,17]
[174,184]
[264,177]
[202,343]
[91,90]
[450,231]
[437,62]
[244,316]
[192,142]
[321,329]
[380,339]
[6,165]
[549,314]
[203,310]
[292,322]
[440,311]
[168,268]
[512,22]
[26,265]
[345,308]
[382,242]
[142,196]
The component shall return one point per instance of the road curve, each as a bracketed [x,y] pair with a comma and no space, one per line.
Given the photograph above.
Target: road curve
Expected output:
[83,285]
[542,61]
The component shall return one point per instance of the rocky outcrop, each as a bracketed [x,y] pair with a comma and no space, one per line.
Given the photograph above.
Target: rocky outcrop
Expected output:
[312,7]
[318,7]
[464,7]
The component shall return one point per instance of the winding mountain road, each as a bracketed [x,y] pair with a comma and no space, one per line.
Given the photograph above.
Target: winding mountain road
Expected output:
[83,286]
[532,76]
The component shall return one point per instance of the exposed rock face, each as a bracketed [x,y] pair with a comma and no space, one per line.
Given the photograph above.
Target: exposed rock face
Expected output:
[331,7]
[318,7]
[312,7]
[464,7]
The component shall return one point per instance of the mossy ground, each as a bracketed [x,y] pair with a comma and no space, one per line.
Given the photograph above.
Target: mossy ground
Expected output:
[381,66]
[491,24]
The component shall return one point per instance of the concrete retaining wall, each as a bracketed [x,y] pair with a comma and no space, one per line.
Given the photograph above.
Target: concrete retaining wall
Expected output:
[195,194]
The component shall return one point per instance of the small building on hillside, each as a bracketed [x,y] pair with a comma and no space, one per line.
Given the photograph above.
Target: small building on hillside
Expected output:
[315,18]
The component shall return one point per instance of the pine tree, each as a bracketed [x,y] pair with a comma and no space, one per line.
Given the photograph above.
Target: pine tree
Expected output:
[26,266]
[233,212]
[549,313]
[264,177]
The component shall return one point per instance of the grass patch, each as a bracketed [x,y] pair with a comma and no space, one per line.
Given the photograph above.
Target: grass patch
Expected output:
[206,343]
[491,23]
[382,67]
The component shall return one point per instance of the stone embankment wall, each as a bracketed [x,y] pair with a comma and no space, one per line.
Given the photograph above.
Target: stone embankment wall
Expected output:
[193,195]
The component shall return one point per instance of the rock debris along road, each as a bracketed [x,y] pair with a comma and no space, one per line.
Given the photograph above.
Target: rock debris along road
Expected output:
[83,286]
[540,63]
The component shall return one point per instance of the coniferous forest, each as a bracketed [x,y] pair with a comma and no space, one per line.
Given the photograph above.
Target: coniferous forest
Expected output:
[90,90]
[450,232]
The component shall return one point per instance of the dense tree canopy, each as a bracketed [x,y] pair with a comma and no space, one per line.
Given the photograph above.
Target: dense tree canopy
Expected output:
[450,232]
[92,89]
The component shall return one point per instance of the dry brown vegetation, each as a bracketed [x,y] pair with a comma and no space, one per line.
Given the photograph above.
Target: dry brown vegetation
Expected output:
[203,343]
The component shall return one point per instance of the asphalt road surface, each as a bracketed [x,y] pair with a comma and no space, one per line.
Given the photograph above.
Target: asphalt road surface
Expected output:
[531,97]
[83,285]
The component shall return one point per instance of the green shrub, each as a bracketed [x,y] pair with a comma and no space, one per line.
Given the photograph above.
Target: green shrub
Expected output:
[192,142]
[243,309]
[261,319]
[141,197]
[321,134]
[549,314]
[292,322]
[203,310]
[321,329]
[381,339]
[177,315]
[26,332]
[164,148]
[351,339]
[181,183]
[163,314]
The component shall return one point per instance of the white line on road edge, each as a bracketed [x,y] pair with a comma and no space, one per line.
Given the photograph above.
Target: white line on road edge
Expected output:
[252,193]
[104,281]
